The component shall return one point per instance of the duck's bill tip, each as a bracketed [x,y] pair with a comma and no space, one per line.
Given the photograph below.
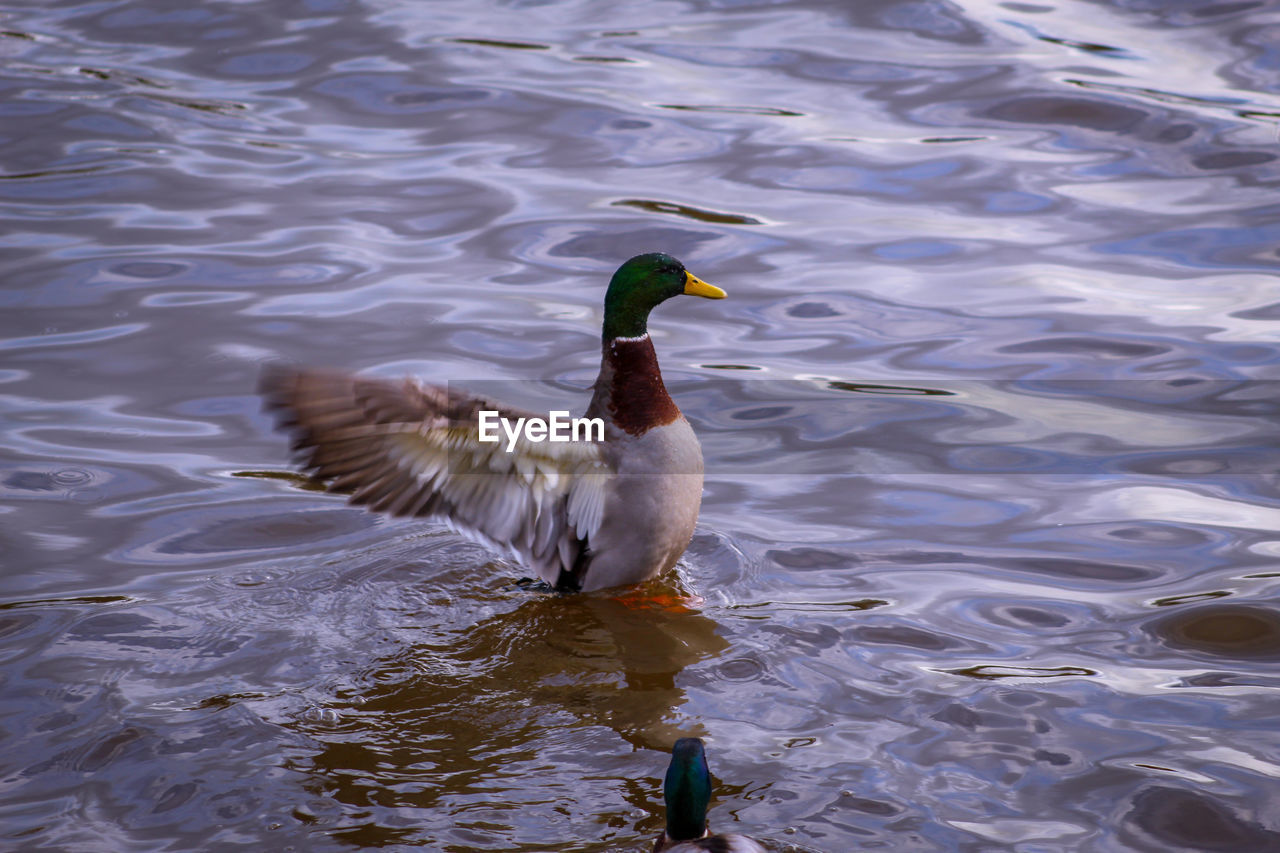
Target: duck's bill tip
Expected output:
[694,286]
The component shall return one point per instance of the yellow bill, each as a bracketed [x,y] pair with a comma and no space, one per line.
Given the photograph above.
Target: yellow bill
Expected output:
[694,286]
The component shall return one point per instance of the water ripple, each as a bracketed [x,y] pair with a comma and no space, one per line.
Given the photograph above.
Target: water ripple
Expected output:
[986,554]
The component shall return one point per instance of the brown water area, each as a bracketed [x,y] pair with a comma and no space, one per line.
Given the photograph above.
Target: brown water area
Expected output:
[989,549]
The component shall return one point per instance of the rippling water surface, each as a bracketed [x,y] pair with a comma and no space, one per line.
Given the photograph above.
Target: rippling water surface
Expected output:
[989,544]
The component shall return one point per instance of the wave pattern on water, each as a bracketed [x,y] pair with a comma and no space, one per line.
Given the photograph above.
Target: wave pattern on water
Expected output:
[987,553]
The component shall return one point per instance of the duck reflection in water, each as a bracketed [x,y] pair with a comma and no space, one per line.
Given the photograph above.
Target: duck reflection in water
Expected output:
[488,713]
[580,652]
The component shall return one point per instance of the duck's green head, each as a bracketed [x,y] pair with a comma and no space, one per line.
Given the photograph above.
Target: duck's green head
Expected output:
[639,285]
[687,790]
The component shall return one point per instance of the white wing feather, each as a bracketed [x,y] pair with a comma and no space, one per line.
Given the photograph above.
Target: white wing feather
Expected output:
[414,449]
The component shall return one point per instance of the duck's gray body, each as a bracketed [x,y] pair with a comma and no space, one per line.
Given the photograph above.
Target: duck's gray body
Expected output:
[652,500]
[651,505]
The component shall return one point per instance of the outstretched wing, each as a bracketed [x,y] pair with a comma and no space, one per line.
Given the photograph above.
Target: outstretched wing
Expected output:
[408,448]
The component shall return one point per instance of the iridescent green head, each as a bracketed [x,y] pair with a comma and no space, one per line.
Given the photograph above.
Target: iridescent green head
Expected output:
[641,284]
[687,790]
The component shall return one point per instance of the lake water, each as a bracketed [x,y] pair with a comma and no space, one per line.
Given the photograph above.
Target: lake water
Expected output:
[989,546]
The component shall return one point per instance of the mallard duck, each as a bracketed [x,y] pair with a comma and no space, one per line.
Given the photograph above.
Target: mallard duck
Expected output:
[687,791]
[583,515]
